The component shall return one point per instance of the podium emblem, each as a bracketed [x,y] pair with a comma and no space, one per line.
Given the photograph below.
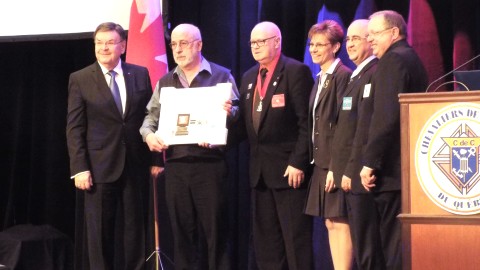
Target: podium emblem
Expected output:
[447,158]
[463,162]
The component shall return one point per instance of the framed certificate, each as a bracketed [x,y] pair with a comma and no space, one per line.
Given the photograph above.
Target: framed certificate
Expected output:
[194,115]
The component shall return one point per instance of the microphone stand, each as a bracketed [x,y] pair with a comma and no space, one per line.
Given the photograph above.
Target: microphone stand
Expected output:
[157,252]
[449,82]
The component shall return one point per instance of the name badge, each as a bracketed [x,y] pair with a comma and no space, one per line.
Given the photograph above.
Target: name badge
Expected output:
[278,101]
[366,90]
[347,103]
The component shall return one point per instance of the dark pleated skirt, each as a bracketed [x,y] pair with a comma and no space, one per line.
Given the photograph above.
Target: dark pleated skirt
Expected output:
[323,204]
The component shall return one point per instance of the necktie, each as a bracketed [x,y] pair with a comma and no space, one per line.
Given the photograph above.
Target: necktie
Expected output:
[258,100]
[263,75]
[115,91]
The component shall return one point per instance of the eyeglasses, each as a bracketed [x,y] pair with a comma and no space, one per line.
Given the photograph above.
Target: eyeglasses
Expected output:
[375,34]
[354,39]
[318,45]
[259,43]
[182,44]
[109,43]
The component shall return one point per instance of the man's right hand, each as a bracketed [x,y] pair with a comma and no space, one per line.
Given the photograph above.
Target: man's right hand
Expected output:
[346,183]
[155,143]
[84,181]
[368,178]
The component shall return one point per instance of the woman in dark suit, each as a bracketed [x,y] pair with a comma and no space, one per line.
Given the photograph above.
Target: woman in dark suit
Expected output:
[325,198]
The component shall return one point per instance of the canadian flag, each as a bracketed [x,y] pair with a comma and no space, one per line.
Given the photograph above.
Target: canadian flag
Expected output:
[146,42]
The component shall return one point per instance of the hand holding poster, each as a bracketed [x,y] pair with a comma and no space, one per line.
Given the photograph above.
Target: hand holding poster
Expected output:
[194,115]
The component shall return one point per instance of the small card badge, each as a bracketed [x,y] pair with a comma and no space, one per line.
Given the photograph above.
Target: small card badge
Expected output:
[278,101]
[347,103]
[366,90]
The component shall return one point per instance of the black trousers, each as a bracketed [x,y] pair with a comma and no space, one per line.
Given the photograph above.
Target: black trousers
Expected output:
[388,205]
[364,223]
[196,199]
[114,217]
[282,234]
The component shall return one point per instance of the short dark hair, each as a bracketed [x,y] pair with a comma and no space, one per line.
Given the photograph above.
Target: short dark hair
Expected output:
[329,28]
[110,26]
[392,19]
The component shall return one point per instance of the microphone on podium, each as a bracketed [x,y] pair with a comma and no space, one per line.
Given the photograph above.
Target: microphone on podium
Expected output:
[450,72]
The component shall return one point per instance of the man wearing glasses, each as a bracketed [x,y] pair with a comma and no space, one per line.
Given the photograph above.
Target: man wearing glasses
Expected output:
[399,70]
[108,159]
[274,105]
[350,130]
[195,175]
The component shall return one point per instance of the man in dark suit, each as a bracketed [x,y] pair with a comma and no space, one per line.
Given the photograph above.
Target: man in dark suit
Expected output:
[275,114]
[399,70]
[108,159]
[360,204]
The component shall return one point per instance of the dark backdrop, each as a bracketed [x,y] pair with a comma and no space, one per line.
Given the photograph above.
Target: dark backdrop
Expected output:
[35,186]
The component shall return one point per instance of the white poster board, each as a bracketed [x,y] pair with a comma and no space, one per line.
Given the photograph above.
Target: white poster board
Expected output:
[194,115]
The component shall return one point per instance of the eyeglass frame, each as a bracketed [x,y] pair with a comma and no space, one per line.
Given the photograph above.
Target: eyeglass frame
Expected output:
[259,43]
[375,34]
[355,38]
[318,45]
[182,44]
[109,43]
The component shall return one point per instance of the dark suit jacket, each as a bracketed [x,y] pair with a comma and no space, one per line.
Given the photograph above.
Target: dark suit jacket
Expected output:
[326,111]
[99,139]
[343,161]
[400,70]
[282,137]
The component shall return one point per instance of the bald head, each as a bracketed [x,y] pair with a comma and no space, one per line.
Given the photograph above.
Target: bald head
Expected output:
[186,44]
[361,24]
[188,30]
[267,28]
[265,42]
[358,48]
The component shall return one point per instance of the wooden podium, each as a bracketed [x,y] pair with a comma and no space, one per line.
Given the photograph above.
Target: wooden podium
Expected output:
[434,235]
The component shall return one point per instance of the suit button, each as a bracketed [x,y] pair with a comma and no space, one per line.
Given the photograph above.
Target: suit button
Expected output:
[316,148]
[316,117]
[316,133]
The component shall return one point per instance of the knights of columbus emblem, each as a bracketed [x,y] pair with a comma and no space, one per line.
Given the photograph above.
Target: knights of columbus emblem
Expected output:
[447,157]
[458,158]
